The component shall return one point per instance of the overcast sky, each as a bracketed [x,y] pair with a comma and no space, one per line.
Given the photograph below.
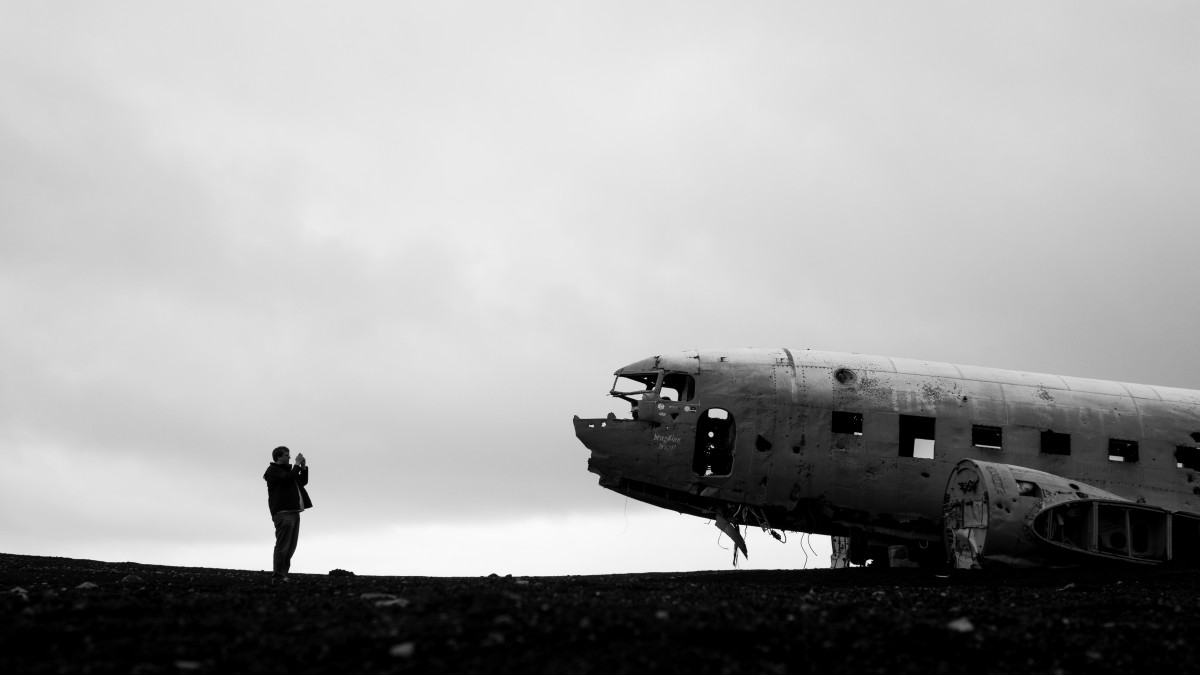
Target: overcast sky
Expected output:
[411,240]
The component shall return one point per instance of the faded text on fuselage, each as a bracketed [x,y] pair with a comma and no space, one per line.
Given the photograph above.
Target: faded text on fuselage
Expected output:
[667,442]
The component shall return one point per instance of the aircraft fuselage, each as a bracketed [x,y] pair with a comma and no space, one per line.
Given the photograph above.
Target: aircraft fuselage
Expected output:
[833,443]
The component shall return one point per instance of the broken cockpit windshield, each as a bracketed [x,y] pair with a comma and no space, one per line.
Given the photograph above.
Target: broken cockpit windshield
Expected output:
[653,386]
[633,387]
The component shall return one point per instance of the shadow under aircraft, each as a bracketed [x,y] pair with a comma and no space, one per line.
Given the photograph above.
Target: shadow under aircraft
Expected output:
[907,462]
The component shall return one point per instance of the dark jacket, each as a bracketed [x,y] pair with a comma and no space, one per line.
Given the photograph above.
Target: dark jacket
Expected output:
[285,487]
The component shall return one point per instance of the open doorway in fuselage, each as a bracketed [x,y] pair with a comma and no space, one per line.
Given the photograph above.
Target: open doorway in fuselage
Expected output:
[714,443]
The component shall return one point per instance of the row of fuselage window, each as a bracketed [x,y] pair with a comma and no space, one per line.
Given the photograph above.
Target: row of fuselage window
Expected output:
[917,440]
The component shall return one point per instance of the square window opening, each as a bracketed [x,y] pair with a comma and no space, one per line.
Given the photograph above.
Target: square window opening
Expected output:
[989,438]
[1122,451]
[1187,457]
[847,423]
[917,436]
[1054,443]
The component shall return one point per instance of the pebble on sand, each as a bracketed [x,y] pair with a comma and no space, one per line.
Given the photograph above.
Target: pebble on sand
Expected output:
[961,625]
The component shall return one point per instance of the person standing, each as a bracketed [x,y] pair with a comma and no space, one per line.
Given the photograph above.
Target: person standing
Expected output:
[286,497]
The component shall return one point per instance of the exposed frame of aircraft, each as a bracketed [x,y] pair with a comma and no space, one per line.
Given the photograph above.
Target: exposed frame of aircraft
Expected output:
[899,458]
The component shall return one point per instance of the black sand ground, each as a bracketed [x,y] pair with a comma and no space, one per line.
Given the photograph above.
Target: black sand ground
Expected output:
[154,619]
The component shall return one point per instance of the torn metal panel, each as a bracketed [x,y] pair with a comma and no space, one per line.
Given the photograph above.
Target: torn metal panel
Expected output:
[734,535]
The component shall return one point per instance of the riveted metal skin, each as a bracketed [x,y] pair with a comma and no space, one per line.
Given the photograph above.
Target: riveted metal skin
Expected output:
[754,440]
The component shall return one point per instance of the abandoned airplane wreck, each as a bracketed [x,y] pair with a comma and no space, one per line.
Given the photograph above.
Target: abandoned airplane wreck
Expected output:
[909,462]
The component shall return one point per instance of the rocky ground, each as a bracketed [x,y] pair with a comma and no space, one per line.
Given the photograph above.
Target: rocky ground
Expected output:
[81,616]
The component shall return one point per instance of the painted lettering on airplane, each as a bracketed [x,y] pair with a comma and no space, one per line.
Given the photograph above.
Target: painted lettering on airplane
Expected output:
[667,442]
[996,480]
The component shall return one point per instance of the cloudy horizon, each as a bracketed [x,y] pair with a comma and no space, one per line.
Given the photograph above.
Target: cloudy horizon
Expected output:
[413,240]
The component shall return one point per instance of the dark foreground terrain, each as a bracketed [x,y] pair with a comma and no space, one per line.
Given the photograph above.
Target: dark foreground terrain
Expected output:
[154,619]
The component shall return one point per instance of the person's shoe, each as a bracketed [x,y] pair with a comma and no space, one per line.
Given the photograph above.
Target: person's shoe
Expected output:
[279,580]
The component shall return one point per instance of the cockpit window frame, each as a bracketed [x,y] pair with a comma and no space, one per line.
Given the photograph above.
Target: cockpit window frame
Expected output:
[643,377]
[682,384]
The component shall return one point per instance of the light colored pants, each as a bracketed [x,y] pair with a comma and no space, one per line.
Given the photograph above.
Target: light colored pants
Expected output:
[287,533]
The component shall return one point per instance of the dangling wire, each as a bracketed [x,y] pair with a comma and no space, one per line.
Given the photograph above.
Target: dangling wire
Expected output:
[733,517]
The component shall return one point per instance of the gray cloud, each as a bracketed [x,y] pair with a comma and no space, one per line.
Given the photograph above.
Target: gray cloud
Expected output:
[412,242]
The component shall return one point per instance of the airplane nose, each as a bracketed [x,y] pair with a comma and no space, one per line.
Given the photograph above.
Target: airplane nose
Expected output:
[596,435]
[619,447]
